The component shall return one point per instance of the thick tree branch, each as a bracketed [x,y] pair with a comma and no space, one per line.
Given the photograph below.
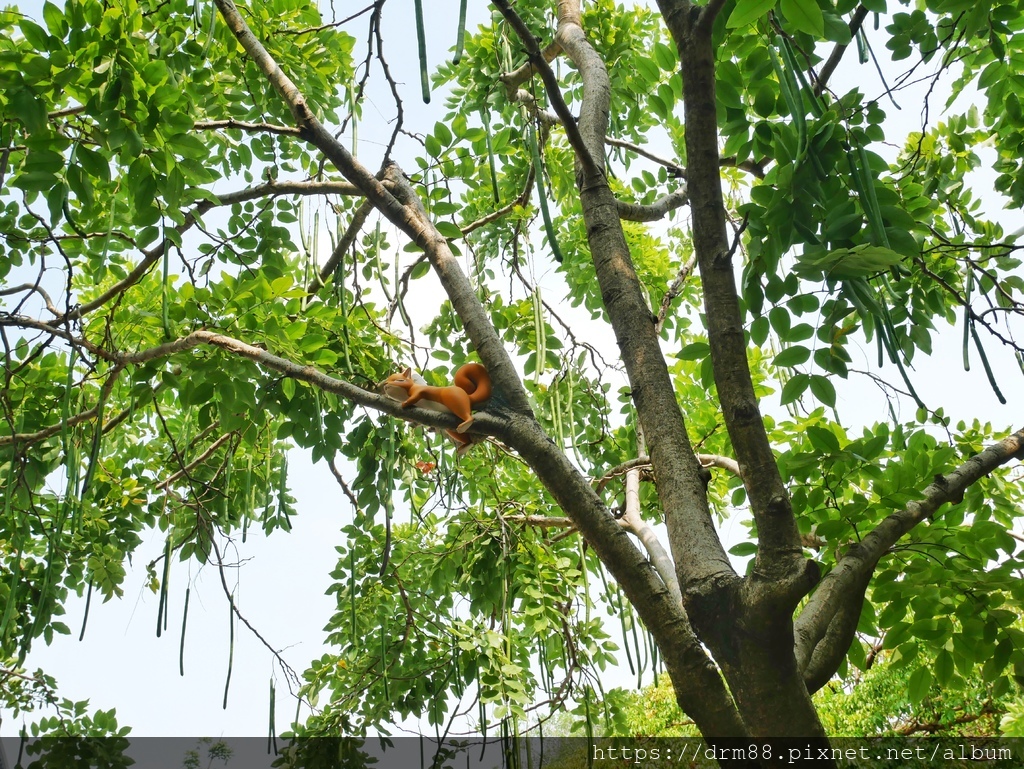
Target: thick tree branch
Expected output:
[691,667]
[483,423]
[638,527]
[680,478]
[747,626]
[780,567]
[651,212]
[841,591]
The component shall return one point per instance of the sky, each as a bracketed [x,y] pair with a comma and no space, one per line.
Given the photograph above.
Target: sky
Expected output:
[120,663]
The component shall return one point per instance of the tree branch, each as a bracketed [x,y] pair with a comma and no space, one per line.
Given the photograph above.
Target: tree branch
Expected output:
[590,161]
[153,255]
[841,590]
[402,208]
[240,125]
[522,74]
[344,244]
[837,53]
[638,527]
[637,212]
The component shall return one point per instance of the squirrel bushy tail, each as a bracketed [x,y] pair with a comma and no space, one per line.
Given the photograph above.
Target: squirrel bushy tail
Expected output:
[474,379]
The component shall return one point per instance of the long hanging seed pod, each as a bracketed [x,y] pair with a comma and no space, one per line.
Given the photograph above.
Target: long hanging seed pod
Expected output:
[161,610]
[97,441]
[421,39]
[540,333]
[352,589]
[545,213]
[384,658]
[791,95]
[869,199]
[85,614]
[282,492]
[460,38]
[654,657]
[181,643]
[165,288]
[457,681]
[65,414]
[272,730]
[545,668]
[556,413]
[40,609]
[586,579]
[249,494]
[483,722]
[354,107]
[570,396]
[625,635]
[789,56]
[389,505]
[985,364]
[14,592]
[231,648]
[339,287]
[211,25]
[485,117]
[590,727]
[968,288]
[229,460]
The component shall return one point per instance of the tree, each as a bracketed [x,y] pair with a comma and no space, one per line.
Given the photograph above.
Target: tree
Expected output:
[173,173]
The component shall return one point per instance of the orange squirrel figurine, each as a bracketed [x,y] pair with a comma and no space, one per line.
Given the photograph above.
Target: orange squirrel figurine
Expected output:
[472,386]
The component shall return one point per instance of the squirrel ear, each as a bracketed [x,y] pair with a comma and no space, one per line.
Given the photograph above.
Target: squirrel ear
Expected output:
[407,373]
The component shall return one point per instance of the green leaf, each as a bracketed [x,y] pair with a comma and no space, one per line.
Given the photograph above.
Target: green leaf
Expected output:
[747,11]
[794,388]
[792,356]
[919,684]
[765,99]
[823,390]
[695,351]
[944,667]
[836,29]
[743,549]
[449,230]
[804,16]
[443,134]
[29,109]
[823,440]
[34,34]
[666,57]
[54,19]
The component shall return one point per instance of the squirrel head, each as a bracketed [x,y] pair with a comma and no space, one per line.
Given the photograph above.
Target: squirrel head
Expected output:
[397,385]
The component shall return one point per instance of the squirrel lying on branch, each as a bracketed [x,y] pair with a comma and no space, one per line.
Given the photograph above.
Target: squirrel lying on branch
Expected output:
[472,386]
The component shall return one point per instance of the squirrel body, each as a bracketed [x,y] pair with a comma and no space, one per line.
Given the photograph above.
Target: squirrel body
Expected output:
[472,386]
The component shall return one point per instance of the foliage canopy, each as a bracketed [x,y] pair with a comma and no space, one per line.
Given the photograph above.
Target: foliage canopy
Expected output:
[203,264]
